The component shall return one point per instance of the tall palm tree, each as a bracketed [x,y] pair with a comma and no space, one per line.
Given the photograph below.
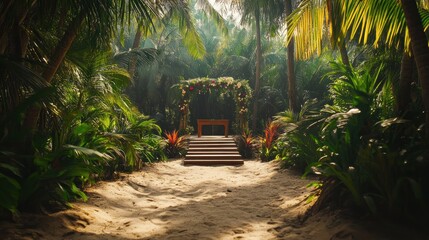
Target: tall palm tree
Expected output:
[419,43]
[96,19]
[292,95]
[375,22]
[399,25]
[256,11]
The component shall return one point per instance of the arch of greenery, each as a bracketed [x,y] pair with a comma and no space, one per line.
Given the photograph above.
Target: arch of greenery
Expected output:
[238,89]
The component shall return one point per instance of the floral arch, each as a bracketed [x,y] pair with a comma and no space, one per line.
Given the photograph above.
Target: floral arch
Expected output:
[238,89]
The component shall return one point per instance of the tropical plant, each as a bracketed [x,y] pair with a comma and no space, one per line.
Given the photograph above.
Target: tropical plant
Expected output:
[175,144]
[321,18]
[268,148]
[362,152]
[11,188]
[247,144]
[298,144]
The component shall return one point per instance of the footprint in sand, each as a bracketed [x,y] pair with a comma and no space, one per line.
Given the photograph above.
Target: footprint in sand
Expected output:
[210,224]
[238,231]
[271,222]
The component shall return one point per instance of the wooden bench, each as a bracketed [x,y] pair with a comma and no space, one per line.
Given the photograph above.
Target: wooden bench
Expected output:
[211,122]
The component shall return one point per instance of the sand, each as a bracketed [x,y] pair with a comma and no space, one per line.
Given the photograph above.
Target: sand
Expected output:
[171,201]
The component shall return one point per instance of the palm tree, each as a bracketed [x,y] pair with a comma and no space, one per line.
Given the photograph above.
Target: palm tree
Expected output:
[375,21]
[93,20]
[308,24]
[398,25]
[419,43]
[255,11]
[292,95]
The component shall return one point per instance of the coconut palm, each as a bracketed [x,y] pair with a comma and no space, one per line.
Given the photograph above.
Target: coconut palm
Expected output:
[368,22]
[419,43]
[255,12]
[391,23]
[292,95]
[311,21]
[96,18]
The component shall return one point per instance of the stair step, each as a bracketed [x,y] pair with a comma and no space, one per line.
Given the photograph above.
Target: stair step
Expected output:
[213,156]
[212,162]
[212,151]
[224,149]
[212,142]
[211,139]
[217,153]
[216,145]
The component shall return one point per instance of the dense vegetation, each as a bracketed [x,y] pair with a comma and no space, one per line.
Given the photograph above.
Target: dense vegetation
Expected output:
[86,90]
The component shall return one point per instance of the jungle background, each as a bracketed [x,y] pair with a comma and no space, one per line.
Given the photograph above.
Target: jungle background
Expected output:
[340,90]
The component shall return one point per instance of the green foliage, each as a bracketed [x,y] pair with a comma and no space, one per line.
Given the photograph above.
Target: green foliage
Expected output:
[94,132]
[298,144]
[376,161]
[10,187]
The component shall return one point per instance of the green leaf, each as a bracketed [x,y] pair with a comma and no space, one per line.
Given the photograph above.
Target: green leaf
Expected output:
[10,190]
[82,129]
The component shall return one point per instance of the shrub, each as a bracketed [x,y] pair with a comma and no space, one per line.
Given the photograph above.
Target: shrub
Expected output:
[246,144]
[176,145]
[268,148]
[366,159]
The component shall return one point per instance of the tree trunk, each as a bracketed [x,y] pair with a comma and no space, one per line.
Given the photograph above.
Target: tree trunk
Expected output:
[11,36]
[163,91]
[32,115]
[420,48]
[258,71]
[403,89]
[337,38]
[133,61]
[293,105]
[343,52]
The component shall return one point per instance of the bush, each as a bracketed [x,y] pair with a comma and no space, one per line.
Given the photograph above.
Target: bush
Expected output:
[377,163]
[268,147]
[175,144]
[247,145]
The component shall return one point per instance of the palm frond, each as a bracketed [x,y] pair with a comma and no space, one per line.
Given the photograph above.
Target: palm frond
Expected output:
[214,15]
[190,37]
[307,23]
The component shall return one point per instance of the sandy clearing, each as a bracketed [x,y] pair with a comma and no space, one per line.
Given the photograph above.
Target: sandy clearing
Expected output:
[170,201]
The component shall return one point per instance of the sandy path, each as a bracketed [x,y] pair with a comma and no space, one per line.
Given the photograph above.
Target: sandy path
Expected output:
[170,201]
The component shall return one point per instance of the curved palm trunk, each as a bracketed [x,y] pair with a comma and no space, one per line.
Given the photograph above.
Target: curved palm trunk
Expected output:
[292,97]
[32,115]
[258,70]
[420,48]
[403,91]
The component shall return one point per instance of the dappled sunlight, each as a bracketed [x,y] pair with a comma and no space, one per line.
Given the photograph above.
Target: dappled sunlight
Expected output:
[96,90]
[169,200]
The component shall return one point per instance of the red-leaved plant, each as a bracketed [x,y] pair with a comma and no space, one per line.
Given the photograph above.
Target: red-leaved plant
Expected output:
[246,144]
[271,134]
[176,145]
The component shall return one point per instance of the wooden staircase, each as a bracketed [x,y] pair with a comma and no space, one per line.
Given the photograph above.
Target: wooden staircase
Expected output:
[212,150]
